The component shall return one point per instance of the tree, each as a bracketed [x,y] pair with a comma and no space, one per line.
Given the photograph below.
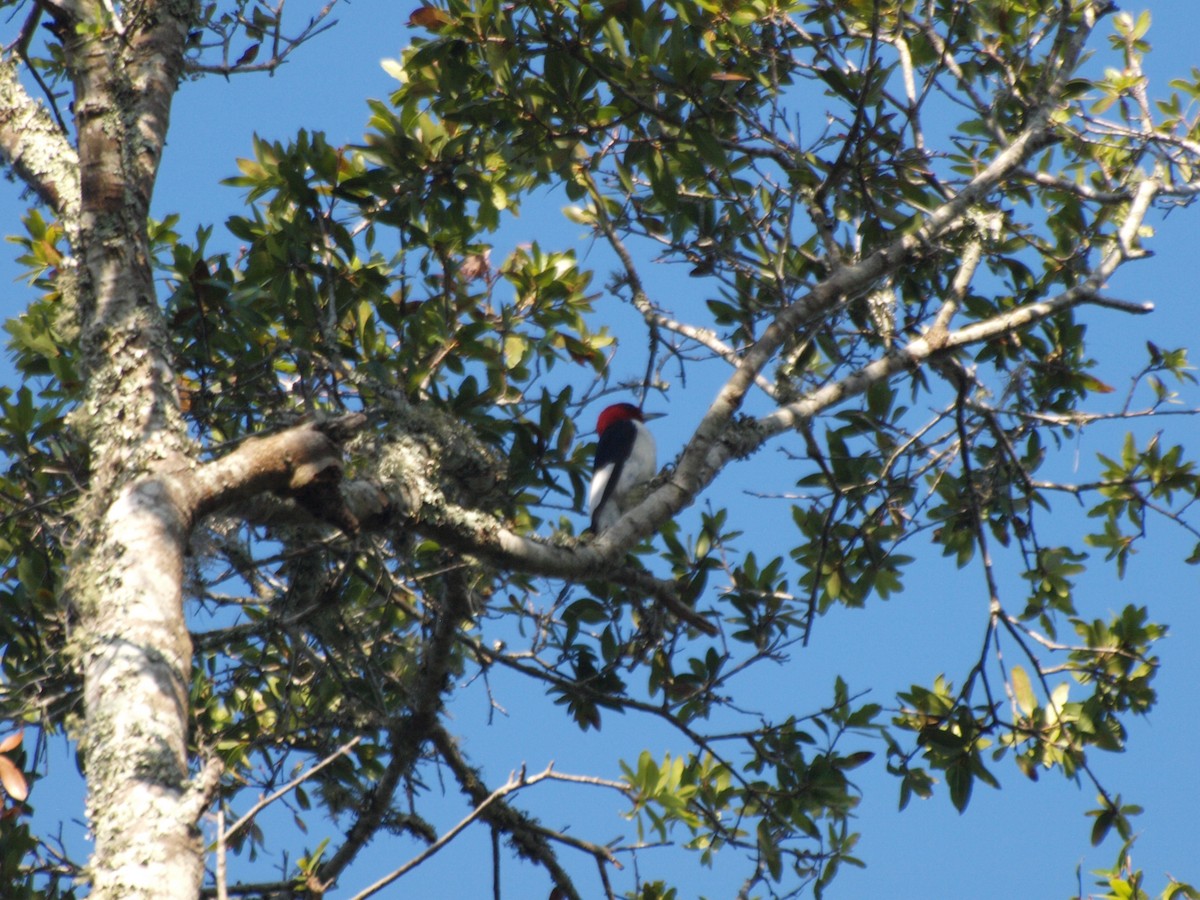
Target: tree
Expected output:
[262,525]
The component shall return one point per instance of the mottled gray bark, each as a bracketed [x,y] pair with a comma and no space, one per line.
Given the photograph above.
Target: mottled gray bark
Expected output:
[127,573]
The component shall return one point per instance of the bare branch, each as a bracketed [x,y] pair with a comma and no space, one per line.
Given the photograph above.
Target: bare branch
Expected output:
[308,773]
[707,338]
[517,781]
[526,832]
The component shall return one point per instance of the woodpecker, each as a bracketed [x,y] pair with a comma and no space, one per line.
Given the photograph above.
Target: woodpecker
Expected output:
[625,460]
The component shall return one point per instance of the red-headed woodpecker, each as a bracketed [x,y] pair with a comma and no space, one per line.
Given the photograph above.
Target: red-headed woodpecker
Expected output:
[625,460]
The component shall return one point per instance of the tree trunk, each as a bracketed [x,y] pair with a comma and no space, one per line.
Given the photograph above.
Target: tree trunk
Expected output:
[127,573]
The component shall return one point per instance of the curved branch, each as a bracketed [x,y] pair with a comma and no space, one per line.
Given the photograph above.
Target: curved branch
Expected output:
[485,536]
[303,462]
[704,456]
[412,468]
[718,439]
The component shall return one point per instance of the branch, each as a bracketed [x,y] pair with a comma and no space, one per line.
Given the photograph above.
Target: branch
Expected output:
[412,470]
[693,472]
[972,254]
[1084,191]
[257,890]
[487,537]
[308,773]
[529,837]
[202,791]
[709,449]
[918,352]
[281,49]
[955,373]
[516,782]
[303,462]
[35,148]
[707,338]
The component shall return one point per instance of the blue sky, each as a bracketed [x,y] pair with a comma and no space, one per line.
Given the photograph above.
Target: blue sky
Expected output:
[1023,841]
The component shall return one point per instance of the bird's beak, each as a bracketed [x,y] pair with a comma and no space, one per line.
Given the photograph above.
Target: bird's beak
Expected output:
[647,416]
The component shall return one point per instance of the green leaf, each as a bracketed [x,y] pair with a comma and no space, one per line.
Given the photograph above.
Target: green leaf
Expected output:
[960,779]
[515,348]
[1023,690]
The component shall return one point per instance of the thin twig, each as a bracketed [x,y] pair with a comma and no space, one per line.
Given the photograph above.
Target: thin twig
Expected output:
[517,781]
[291,785]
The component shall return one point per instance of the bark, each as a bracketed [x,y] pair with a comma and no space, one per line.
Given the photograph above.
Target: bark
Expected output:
[34,146]
[126,581]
